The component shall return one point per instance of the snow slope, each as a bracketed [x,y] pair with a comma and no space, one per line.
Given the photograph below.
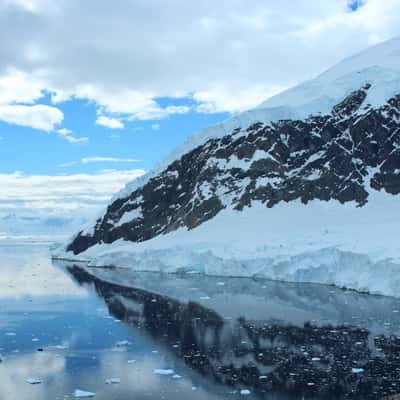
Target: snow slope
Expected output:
[323,242]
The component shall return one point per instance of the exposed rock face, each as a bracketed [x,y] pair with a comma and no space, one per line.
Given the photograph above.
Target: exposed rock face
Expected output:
[342,155]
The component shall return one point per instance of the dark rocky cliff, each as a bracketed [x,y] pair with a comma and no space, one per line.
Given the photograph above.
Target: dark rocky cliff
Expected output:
[342,155]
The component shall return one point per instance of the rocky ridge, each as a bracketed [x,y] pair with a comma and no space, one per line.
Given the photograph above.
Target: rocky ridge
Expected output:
[342,155]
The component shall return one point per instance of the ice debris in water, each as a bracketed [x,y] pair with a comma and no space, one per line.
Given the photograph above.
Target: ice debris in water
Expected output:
[83,394]
[245,392]
[122,343]
[357,370]
[160,371]
[61,347]
[113,381]
[33,381]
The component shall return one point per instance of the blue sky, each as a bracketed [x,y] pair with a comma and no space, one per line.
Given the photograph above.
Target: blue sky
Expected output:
[38,152]
[354,5]
[93,94]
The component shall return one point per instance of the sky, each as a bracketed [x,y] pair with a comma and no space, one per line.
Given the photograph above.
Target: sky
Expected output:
[93,93]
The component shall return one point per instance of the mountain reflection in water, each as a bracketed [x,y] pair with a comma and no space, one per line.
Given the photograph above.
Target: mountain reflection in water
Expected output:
[279,340]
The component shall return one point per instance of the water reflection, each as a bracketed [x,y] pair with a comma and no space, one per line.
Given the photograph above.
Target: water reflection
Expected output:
[223,338]
[346,348]
[53,330]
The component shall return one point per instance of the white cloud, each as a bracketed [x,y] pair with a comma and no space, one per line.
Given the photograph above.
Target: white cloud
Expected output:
[87,160]
[156,112]
[67,134]
[17,87]
[225,55]
[38,116]
[67,164]
[112,123]
[155,127]
[61,193]
[73,139]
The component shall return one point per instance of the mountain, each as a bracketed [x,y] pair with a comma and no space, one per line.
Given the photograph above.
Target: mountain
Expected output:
[37,227]
[304,187]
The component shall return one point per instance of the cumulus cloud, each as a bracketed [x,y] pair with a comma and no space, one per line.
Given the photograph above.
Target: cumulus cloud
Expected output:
[38,116]
[17,87]
[223,56]
[112,123]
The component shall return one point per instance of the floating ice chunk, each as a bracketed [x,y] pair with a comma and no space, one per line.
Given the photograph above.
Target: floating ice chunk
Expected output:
[220,283]
[245,392]
[61,347]
[131,361]
[160,371]
[35,340]
[205,298]
[122,343]
[262,377]
[33,381]
[113,381]
[83,394]
[315,359]
[310,384]
[176,376]
[357,370]
[10,334]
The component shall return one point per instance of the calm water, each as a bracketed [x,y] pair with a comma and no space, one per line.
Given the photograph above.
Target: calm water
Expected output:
[181,337]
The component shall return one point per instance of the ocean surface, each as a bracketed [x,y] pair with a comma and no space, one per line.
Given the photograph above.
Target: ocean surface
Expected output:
[67,331]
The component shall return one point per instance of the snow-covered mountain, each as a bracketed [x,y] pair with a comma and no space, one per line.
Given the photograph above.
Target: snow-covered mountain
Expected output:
[304,187]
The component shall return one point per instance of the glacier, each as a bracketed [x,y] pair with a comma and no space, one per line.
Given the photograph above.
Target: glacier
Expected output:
[321,242]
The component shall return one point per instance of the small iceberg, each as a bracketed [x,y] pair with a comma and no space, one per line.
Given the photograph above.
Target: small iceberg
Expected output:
[122,343]
[33,381]
[113,381]
[83,394]
[160,371]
